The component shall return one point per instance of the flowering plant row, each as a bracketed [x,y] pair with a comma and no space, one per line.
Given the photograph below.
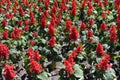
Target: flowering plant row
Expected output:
[59,39]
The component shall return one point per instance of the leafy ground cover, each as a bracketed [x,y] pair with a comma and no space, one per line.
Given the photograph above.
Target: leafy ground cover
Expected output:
[60,39]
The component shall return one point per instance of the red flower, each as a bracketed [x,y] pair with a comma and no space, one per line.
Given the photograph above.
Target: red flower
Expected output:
[25,2]
[9,15]
[103,26]
[74,34]
[35,67]
[90,8]
[21,11]
[74,8]
[47,2]
[37,55]
[91,39]
[113,34]
[1,10]
[90,33]
[16,34]
[104,15]
[51,29]
[52,41]
[34,54]
[5,34]
[32,18]
[54,8]
[91,21]
[35,34]
[20,22]
[117,4]
[9,73]
[4,51]
[26,22]
[43,22]
[26,28]
[73,54]
[99,49]
[89,11]
[68,25]
[4,22]
[30,53]
[68,67]
[63,5]
[104,63]
[105,2]
[78,50]
[32,42]
[83,26]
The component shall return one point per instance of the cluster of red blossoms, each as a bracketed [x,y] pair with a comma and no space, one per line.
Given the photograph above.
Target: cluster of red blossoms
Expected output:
[104,63]
[100,50]
[69,63]
[4,51]
[9,72]
[34,56]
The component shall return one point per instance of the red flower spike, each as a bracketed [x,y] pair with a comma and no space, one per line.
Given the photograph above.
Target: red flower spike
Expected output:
[16,34]
[32,42]
[90,33]
[83,26]
[9,73]
[4,22]
[68,67]
[113,34]
[51,29]
[35,67]
[52,41]
[78,50]
[103,26]
[104,63]
[99,49]
[4,51]
[74,34]
[5,34]
[68,25]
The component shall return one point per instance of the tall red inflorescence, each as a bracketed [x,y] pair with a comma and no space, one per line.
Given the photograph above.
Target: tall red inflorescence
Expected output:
[34,54]
[4,51]
[25,2]
[74,34]
[68,67]
[4,22]
[5,34]
[99,49]
[35,67]
[103,26]
[32,18]
[16,34]
[90,33]
[68,25]
[52,41]
[82,26]
[9,72]
[113,34]
[51,29]
[78,50]
[104,63]
[74,8]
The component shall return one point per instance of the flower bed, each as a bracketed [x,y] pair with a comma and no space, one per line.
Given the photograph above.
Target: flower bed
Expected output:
[60,39]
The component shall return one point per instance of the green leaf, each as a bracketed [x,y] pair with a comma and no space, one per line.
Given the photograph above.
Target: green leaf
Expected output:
[43,41]
[79,72]
[109,74]
[43,76]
